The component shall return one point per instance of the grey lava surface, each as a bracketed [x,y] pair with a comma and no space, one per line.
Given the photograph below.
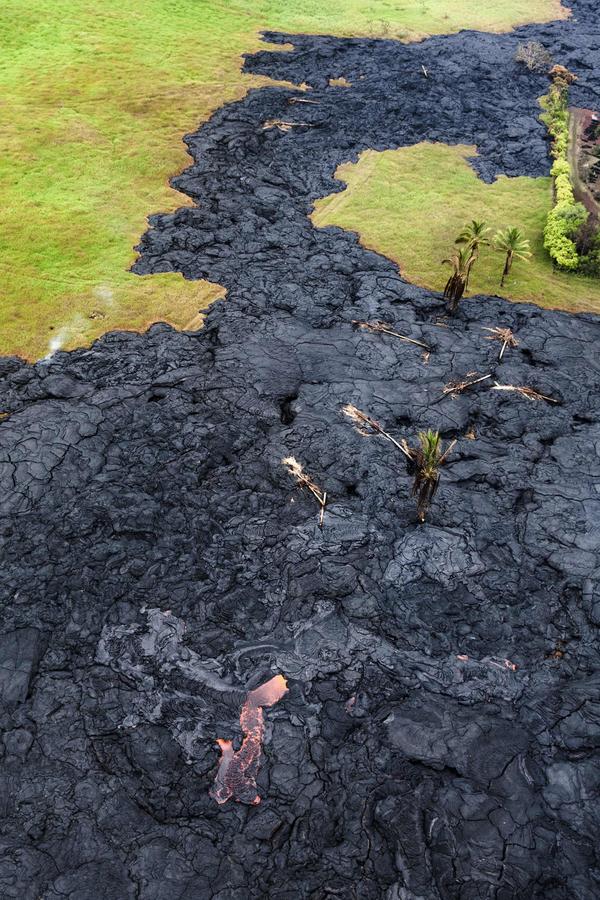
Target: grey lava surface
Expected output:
[440,734]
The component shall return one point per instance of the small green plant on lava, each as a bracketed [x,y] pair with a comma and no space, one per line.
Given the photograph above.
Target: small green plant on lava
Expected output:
[427,459]
[424,461]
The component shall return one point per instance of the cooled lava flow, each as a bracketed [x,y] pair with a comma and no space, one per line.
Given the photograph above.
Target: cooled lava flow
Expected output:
[238,769]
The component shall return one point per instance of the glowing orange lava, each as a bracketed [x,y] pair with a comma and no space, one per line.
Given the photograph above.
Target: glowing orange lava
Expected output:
[236,777]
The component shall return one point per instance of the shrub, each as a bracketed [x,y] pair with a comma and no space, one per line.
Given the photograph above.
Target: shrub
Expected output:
[556,120]
[535,56]
[561,167]
[561,76]
[564,189]
[587,239]
[462,261]
[561,144]
[562,223]
[567,216]
[590,264]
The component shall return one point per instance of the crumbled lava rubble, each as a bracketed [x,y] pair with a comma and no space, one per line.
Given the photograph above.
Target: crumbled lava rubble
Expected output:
[440,734]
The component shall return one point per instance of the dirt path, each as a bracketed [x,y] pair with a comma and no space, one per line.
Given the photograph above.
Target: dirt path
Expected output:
[582,194]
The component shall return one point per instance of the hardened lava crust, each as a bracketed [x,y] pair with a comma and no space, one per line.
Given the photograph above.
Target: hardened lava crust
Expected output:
[439,738]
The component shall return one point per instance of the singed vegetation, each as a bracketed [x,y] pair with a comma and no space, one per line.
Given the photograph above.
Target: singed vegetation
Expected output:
[408,204]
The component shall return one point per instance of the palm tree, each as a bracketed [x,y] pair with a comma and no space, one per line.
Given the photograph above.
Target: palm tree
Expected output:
[462,261]
[514,245]
[474,236]
[427,459]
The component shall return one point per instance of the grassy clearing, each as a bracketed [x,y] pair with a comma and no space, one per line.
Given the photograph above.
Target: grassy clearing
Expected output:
[95,99]
[410,204]
[407,19]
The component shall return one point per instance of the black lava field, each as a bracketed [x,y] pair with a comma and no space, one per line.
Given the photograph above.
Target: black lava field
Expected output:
[439,735]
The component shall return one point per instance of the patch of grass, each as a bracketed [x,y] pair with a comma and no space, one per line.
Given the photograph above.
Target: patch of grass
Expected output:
[95,98]
[407,19]
[410,204]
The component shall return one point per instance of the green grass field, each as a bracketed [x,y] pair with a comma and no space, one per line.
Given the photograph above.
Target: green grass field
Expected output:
[95,99]
[404,19]
[410,204]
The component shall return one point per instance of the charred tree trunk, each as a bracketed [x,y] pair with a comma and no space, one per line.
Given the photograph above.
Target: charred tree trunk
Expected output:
[454,291]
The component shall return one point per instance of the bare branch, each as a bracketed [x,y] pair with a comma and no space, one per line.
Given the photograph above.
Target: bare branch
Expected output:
[285,126]
[457,387]
[527,392]
[382,328]
[304,480]
[366,425]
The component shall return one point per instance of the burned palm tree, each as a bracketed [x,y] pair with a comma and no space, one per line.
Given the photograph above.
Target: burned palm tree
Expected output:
[462,261]
[474,236]
[297,472]
[426,461]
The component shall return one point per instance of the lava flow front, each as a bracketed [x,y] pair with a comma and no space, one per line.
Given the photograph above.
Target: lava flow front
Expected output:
[238,769]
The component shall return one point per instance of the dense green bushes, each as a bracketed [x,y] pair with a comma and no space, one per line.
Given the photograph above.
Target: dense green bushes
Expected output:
[588,247]
[556,119]
[567,216]
[560,229]
[590,263]
[564,219]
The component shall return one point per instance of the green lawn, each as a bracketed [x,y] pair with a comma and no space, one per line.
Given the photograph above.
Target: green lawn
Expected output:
[95,98]
[410,204]
[405,19]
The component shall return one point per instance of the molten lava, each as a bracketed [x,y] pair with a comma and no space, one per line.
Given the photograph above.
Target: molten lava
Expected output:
[238,769]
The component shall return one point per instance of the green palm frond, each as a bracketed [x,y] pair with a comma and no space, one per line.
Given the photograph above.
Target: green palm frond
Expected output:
[430,442]
[511,241]
[428,458]
[474,235]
